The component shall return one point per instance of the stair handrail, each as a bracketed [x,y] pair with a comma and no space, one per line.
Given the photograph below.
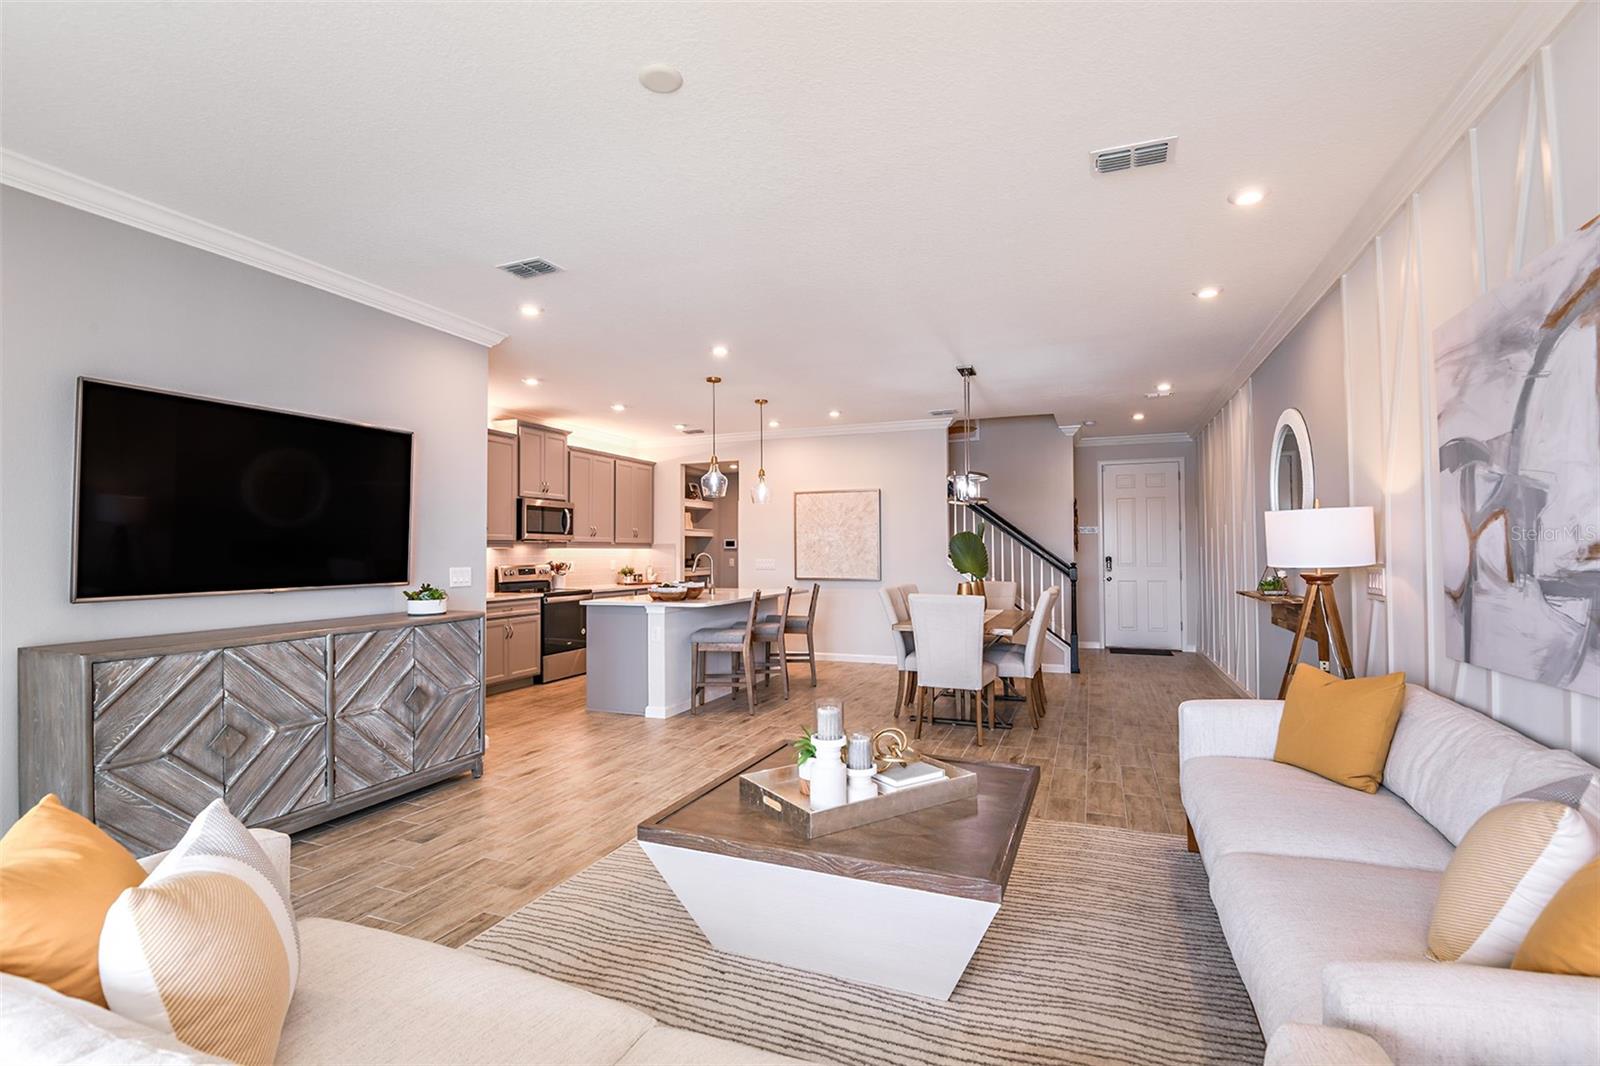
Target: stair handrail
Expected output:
[1016,533]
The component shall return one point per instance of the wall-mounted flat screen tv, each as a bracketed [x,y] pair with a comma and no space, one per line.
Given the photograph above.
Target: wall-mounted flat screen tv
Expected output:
[179,495]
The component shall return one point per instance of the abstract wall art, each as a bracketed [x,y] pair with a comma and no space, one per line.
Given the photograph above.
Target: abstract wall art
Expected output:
[837,535]
[1518,386]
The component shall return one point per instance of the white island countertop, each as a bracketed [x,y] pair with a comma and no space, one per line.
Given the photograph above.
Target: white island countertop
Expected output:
[709,598]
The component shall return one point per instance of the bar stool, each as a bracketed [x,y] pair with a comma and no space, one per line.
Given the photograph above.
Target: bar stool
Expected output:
[769,632]
[736,640]
[806,624]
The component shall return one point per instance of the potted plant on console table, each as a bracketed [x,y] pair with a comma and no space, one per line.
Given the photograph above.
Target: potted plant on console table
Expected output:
[970,557]
[424,600]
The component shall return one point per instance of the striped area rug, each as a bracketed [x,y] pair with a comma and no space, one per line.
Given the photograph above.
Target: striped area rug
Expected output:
[1106,950]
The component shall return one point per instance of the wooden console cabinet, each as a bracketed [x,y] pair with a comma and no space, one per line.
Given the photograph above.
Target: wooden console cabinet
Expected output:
[291,725]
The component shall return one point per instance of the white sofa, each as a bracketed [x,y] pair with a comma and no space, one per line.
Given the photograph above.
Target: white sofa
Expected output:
[368,996]
[1325,893]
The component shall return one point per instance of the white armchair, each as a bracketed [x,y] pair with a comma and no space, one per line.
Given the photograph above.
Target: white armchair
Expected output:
[1025,662]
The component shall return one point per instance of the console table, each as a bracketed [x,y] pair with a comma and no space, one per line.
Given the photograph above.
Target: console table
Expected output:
[290,724]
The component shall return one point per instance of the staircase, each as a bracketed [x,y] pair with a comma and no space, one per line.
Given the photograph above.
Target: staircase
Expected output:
[1015,556]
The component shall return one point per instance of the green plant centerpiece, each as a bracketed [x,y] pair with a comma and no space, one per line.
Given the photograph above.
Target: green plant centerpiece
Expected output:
[425,599]
[969,556]
[625,575]
[805,751]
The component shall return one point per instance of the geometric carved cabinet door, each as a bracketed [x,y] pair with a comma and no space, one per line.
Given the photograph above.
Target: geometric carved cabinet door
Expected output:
[158,759]
[276,737]
[404,700]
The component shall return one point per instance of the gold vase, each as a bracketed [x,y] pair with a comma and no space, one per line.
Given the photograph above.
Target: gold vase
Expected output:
[969,588]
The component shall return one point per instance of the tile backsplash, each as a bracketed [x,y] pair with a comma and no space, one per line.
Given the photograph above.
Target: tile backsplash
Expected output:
[591,566]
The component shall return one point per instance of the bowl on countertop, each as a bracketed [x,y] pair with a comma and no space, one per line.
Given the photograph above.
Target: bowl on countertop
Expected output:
[670,594]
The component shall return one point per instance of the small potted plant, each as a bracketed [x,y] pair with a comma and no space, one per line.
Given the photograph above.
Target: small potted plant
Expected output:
[558,573]
[970,557]
[1273,582]
[626,576]
[805,752]
[424,600]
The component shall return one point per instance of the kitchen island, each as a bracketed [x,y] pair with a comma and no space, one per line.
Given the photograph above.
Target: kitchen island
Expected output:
[639,649]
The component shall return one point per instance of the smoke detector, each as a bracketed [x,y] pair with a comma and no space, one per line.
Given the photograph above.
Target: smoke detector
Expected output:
[1132,156]
[943,412]
[530,268]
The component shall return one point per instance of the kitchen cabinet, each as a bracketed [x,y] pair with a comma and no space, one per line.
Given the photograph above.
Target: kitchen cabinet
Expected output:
[511,646]
[594,502]
[502,524]
[636,502]
[541,462]
[522,647]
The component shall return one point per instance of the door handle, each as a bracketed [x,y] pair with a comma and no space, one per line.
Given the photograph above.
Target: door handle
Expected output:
[1108,568]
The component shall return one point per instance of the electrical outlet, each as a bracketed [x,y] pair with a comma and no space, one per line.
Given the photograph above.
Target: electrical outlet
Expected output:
[460,577]
[766,564]
[1088,529]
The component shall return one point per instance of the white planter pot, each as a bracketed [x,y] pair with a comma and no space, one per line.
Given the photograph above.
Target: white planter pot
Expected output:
[425,606]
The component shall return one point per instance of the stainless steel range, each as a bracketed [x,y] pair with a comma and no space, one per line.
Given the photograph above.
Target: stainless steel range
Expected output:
[562,642]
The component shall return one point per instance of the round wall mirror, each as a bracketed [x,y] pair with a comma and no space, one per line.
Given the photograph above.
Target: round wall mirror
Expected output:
[1291,479]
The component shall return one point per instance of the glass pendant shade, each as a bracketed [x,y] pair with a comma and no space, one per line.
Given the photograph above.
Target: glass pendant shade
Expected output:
[713,483]
[965,486]
[761,493]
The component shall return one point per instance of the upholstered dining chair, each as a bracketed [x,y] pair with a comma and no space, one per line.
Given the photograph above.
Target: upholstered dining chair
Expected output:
[905,654]
[1000,595]
[1025,662]
[949,636]
[739,641]
[807,624]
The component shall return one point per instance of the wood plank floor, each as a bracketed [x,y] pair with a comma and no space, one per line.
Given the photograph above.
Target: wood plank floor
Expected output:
[563,787]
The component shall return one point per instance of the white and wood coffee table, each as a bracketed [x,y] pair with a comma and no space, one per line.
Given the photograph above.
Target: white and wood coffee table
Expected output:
[901,903]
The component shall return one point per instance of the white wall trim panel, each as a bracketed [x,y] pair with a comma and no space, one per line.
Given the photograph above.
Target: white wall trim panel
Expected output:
[51,182]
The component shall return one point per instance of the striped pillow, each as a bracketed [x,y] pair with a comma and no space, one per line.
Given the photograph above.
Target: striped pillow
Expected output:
[1510,864]
[206,948]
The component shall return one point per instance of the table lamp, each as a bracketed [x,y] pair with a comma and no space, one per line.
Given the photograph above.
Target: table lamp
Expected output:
[1319,542]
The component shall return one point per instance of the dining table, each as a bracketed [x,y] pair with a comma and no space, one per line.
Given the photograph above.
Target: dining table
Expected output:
[998,624]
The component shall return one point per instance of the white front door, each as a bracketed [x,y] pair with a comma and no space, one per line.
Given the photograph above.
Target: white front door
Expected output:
[1142,569]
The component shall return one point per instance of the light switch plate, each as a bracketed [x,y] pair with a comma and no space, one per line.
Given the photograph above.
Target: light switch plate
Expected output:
[460,577]
[1088,529]
[1375,584]
[766,564]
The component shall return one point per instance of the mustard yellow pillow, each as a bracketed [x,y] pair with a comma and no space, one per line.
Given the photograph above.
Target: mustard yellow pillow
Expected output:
[1565,938]
[59,874]
[1340,729]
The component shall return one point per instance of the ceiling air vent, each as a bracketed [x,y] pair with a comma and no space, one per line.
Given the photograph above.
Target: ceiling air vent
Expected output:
[943,412]
[530,268]
[692,432]
[1132,156]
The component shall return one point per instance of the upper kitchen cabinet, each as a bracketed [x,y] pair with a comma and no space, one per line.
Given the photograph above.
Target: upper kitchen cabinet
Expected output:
[502,524]
[541,462]
[636,502]
[594,502]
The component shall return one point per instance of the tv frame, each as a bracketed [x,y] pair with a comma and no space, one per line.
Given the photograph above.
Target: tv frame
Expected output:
[77,455]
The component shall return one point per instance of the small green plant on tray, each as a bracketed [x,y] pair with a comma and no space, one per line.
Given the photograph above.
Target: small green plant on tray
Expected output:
[426,592]
[804,749]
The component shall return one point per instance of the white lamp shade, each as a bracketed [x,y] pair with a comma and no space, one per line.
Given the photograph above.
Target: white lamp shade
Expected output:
[1326,538]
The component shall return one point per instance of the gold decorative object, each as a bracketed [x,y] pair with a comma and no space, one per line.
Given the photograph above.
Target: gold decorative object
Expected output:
[890,747]
[969,588]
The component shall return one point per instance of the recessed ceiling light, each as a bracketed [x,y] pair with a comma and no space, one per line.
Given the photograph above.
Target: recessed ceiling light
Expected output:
[833,414]
[772,424]
[733,467]
[679,426]
[1247,197]
[531,310]
[1090,422]
[1138,416]
[660,78]
[720,351]
[618,407]
[1164,387]
[1210,292]
[530,381]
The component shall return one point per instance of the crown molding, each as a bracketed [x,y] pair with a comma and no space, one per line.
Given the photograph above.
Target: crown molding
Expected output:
[702,441]
[1142,438]
[53,183]
[1071,429]
[1533,25]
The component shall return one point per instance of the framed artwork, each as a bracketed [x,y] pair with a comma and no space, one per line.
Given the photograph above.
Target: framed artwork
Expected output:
[1519,449]
[838,535]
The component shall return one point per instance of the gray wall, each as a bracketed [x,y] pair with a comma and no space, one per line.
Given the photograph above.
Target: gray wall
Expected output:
[1091,577]
[87,296]
[1029,463]
[1305,371]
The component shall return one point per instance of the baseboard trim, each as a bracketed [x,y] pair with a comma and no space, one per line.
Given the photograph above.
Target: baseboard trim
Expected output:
[1090,645]
[1233,683]
[848,657]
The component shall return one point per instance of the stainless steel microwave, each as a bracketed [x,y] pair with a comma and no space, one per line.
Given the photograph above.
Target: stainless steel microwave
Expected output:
[546,520]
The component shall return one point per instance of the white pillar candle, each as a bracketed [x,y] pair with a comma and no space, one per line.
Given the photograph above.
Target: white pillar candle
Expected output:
[830,720]
[860,753]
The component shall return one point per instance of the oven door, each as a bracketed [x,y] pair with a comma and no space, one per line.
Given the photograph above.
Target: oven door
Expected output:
[538,520]
[563,638]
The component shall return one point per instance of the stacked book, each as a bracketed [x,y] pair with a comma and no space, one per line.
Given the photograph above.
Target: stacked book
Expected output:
[911,775]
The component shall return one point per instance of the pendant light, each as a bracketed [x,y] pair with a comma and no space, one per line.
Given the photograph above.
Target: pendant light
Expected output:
[966,485]
[761,493]
[713,483]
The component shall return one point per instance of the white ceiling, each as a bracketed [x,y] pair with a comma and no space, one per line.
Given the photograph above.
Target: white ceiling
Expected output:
[854,197]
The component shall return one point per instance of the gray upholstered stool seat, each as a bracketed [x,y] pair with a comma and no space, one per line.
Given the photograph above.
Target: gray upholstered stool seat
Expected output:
[792,623]
[713,635]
